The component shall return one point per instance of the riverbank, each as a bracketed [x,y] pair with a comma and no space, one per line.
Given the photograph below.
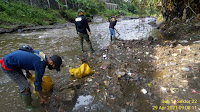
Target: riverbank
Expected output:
[128,74]
[19,16]
[157,74]
[24,28]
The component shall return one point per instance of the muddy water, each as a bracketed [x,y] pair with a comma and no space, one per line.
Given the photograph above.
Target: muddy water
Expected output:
[63,42]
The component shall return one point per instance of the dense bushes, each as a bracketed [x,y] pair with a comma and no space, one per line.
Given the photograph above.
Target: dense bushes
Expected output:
[16,12]
[21,13]
[70,15]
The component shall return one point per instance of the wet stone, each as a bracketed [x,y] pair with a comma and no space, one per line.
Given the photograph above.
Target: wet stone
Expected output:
[94,85]
[121,74]
[68,96]
[123,110]
[76,85]
[94,107]
[130,111]
[106,83]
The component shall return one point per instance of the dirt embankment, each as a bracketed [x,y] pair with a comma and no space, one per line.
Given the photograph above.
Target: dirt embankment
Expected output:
[21,28]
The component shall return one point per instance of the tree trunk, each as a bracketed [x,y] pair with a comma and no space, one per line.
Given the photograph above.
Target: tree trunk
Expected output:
[66,3]
[31,3]
[48,3]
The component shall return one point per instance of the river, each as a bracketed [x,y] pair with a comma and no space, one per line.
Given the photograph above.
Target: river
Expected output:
[63,42]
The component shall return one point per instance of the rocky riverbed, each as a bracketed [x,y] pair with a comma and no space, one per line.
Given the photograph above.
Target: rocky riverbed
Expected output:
[154,74]
[138,75]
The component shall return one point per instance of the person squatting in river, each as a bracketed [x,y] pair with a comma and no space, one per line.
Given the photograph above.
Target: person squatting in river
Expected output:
[27,59]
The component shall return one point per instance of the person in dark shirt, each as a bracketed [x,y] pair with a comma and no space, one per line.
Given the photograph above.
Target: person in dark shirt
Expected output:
[113,22]
[13,63]
[81,26]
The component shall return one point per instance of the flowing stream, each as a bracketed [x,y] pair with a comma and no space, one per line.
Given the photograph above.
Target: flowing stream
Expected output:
[63,42]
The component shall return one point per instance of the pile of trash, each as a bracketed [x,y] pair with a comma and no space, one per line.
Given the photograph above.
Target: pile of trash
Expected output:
[134,76]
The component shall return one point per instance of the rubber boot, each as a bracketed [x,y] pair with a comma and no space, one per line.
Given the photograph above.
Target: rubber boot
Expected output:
[92,50]
[111,38]
[82,48]
[26,97]
[90,45]
[114,38]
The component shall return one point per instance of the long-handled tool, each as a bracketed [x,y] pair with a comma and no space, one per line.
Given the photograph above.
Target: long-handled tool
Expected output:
[117,32]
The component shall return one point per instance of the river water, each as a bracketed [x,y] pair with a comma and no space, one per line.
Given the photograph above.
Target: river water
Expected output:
[63,42]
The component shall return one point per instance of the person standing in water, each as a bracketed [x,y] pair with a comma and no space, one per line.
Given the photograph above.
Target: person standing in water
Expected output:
[81,28]
[113,22]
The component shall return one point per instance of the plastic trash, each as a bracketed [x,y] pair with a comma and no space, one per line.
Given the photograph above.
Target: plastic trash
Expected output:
[144,91]
[183,41]
[149,84]
[194,91]
[196,41]
[121,74]
[109,77]
[98,90]
[106,83]
[131,74]
[89,79]
[172,63]
[47,83]
[186,69]
[172,91]
[104,56]
[111,96]
[158,45]
[81,71]
[163,89]
[104,67]
[147,53]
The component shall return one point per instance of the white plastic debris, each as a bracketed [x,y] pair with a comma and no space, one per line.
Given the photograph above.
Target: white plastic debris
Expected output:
[147,53]
[183,41]
[163,89]
[196,42]
[89,79]
[144,91]
[104,56]
[186,69]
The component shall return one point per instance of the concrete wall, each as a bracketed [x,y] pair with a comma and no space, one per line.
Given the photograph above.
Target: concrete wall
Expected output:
[111,6]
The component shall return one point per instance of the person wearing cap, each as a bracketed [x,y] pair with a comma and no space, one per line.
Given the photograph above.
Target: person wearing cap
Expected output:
[81,26]
[113,22]
[13,63]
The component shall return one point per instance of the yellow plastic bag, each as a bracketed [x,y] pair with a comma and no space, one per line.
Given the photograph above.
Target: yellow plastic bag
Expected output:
[47,83]
[81,71]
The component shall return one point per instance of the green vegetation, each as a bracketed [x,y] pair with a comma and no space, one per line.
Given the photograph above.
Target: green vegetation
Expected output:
[70,15]
[21,13]
[16,12]
[96,7]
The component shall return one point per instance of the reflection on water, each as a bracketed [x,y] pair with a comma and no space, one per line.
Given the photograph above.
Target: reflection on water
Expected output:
[63,42]
[83,100]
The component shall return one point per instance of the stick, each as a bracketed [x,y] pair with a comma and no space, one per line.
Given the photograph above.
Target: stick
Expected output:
[117,31]
[192,10]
